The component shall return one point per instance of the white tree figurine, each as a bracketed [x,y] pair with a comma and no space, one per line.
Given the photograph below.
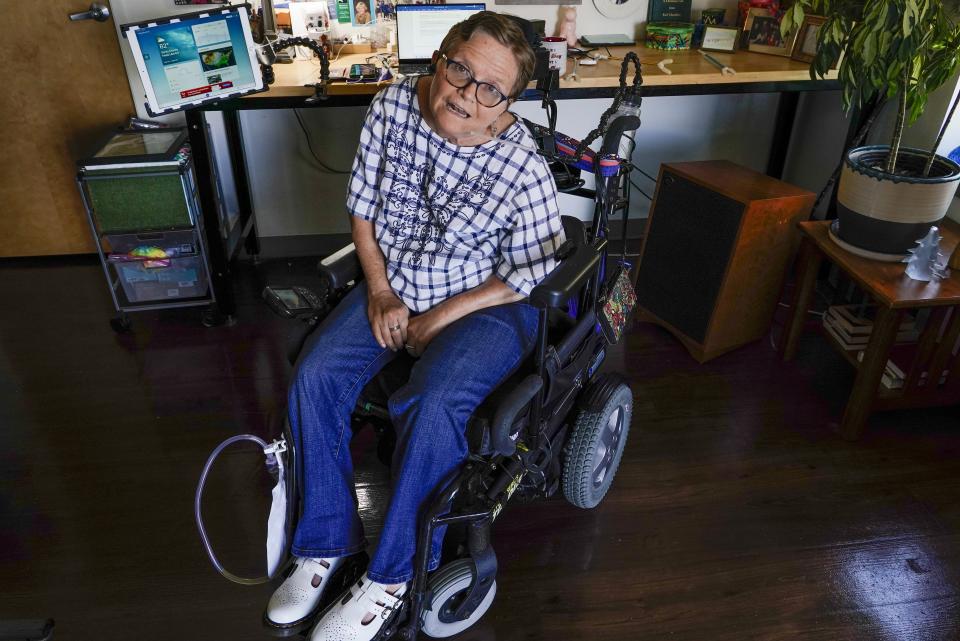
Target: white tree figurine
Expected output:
[926,262]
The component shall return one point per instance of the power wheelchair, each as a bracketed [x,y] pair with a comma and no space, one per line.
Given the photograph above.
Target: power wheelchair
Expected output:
[556,422]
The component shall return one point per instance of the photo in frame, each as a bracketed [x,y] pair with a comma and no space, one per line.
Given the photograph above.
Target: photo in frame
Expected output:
[765,37]
[723,39]
[805,47]
[752,14]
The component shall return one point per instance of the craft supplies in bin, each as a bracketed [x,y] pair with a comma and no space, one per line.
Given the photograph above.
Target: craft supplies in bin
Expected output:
[183,278]
[158,266]
[669,36]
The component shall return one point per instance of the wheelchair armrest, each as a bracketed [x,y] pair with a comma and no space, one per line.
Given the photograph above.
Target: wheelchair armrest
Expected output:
[341,267]
[507,413]
[569,276]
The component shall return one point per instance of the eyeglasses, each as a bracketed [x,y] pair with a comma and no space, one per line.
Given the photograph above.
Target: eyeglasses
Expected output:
[460,77]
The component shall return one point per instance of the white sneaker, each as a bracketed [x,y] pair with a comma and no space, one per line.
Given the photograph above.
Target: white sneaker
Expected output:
[344,620]
[294,604]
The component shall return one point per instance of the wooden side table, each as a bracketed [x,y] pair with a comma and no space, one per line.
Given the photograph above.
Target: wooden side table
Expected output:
[894,293]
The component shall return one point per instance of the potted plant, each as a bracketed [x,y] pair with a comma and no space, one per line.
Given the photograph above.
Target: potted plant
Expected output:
[903,50]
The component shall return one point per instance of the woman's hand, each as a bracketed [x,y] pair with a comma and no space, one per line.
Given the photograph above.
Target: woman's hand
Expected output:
[422,329]
[388,319]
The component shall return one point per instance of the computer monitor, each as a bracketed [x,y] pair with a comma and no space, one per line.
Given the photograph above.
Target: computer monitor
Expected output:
[421,27]
[195,58]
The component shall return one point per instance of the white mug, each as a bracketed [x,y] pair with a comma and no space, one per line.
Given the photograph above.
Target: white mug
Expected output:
[557,48]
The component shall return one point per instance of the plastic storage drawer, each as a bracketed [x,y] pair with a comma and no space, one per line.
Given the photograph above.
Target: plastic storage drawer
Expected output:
[182,242]
[186,277]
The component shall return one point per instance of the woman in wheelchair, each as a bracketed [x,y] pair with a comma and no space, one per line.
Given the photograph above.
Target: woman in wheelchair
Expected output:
[453,227]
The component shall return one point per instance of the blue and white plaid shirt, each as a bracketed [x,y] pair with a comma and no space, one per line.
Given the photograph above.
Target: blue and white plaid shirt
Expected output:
[447,217]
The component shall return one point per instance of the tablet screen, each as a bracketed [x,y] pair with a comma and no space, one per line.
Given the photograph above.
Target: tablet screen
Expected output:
[191,59]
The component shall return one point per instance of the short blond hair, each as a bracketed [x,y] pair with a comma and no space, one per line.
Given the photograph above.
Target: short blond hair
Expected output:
[503,30]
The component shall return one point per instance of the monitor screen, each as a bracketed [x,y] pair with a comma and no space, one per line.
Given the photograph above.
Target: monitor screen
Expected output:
[195,58]
[421,27]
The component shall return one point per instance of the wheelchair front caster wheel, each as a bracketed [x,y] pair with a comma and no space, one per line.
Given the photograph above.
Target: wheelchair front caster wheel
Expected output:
[449,586]
[121,324]
[597,442]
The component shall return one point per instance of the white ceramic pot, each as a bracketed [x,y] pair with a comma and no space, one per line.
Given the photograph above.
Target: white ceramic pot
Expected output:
[882,213]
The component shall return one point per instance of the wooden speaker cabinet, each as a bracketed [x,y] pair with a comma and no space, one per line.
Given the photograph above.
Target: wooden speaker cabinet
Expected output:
[718,241]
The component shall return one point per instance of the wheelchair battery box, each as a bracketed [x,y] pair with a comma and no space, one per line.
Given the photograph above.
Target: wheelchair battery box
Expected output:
[292,302]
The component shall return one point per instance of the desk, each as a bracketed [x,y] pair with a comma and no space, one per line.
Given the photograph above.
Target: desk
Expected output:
[894,293]
[692,76]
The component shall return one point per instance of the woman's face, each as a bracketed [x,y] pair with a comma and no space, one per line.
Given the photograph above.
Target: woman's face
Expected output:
[456,114]
[361,8]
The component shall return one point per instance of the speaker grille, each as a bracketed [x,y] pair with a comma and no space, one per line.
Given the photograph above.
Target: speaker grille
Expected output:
[689,242]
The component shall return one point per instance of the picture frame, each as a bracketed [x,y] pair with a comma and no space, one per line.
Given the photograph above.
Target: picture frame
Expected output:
[718,38]
[361,13]
[805,47]
[752,14]
[765,37]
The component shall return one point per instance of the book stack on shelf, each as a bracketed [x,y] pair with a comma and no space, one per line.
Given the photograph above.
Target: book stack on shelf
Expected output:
[851,325]
[900,358]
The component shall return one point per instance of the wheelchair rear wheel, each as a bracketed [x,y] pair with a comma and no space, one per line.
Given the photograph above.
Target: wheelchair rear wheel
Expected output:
[596,444]
[449,586]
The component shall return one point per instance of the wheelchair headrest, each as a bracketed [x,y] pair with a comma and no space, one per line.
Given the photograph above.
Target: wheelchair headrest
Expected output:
[542,66]
[533,38]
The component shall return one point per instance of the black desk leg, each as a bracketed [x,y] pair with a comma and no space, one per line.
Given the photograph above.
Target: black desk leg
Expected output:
[782,130]
[219,260]
[238,162]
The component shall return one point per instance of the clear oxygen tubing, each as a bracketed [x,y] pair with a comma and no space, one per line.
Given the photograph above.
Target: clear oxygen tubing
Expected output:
[274,451]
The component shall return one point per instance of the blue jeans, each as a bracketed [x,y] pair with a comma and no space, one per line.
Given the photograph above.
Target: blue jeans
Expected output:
[459,368]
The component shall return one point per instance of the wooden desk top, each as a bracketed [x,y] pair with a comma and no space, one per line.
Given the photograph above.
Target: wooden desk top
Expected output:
[689,68]
[888,282]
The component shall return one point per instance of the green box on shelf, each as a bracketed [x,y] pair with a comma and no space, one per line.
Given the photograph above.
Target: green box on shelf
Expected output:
[140,181]
[132,202]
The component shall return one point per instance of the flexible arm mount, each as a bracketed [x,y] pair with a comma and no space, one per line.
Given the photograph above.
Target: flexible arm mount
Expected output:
[268,55]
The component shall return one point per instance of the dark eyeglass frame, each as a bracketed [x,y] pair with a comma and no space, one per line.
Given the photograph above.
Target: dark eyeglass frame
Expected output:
[470,81]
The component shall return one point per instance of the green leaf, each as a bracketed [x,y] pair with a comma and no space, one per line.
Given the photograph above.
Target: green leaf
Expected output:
[869,48]
[909,13]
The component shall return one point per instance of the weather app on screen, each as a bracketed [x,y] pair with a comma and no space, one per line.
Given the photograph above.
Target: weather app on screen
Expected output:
[200,57]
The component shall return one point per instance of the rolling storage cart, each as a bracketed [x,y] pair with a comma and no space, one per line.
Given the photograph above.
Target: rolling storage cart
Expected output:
[140,195]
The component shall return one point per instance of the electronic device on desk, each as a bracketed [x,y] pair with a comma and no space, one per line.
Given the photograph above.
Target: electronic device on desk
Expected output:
[292,302]
[364,73]
[195,58]
[607,40]
[421,28]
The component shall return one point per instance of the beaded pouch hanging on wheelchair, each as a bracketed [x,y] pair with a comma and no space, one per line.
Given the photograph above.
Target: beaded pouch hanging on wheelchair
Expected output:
[616,305]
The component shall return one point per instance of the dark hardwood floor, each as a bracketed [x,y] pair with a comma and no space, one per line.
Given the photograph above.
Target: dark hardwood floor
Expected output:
[738,513]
